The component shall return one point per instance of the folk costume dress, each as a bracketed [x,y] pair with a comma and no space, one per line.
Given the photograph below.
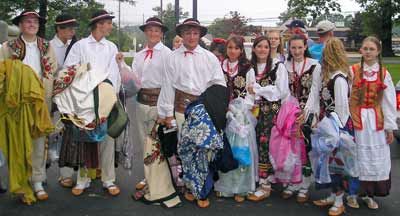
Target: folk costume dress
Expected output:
[373,110]
[305,85]
[271,88]
[242,180]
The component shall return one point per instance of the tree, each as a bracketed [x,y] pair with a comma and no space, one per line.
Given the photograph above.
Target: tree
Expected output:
[313,8]
[378,20]
[233,23]
[168,18]
[356,32]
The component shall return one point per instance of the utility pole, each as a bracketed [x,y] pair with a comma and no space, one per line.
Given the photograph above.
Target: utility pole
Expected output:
[161,10]
[195,9]
[177,12]
[119,24]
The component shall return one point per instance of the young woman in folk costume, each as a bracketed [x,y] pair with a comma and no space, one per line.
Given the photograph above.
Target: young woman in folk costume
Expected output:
[276,45]
[239,182]
[335,99]
[304,83]
[373,110]
[269,86]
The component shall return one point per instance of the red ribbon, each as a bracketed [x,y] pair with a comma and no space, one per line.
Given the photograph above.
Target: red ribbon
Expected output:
[149,52]
[188,52]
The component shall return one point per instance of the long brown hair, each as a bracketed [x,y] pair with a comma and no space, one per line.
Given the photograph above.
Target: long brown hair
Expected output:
[254,57]
[244,63]
[333,59]
[302,38]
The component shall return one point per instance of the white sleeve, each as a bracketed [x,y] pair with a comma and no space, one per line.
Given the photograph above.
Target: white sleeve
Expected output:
[312,105]
[250,79]
[341,91]
[114,73]
[165,103]
[278,91]
[74,56]
[389,103]
[218,77]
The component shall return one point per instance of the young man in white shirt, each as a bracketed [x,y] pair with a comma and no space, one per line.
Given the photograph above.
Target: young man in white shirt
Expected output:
[149,68]
[39,55]
[100,53]
[65,26]
[191,69]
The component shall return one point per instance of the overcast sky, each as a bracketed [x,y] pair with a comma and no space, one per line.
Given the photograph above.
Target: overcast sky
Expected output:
[208,10]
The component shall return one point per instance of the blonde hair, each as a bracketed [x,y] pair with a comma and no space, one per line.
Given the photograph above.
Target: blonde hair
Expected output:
[333,59]
[280,47]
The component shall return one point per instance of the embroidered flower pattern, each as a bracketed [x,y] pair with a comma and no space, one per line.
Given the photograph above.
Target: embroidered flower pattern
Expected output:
[239,82]
[65,78]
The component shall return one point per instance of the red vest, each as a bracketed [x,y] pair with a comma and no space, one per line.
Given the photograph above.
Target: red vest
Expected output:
[365,94]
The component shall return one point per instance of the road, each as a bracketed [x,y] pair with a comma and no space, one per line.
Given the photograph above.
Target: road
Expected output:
[96,202]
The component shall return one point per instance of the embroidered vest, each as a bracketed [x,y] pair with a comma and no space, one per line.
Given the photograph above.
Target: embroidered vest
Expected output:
[300,86]
[237,84]
[327,101]
[269,79]
[365,94]
[18,51]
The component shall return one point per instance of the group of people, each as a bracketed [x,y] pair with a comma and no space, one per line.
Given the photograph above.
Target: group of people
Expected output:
[236,126]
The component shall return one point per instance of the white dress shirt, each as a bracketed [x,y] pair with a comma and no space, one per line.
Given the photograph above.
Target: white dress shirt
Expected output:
[150,69]
[60,48]
[32,56]
[101,56]
[191,73]
[77,99]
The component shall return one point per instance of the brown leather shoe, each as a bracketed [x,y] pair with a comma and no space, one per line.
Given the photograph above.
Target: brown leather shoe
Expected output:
[65,182]
[189,196]
[336,211]
[203,203]
[323,202]
[301,199]
[77,191]
[286,195]
[239,198]
[41,195]
[141,185]
[113,190]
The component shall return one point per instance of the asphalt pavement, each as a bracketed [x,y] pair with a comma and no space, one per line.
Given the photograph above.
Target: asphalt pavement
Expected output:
[97,202]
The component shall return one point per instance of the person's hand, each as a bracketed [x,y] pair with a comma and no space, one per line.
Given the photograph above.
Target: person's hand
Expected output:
[160,120]
[250,89]
[168,121]
[119,57]
[300,119]
[389,137]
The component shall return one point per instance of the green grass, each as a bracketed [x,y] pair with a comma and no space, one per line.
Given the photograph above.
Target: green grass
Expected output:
[394,70]
[128,60]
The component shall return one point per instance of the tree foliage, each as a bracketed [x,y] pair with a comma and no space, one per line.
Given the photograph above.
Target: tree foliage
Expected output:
[378,20]
[80,9]
[313,8]
[232,23]
[168,18]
